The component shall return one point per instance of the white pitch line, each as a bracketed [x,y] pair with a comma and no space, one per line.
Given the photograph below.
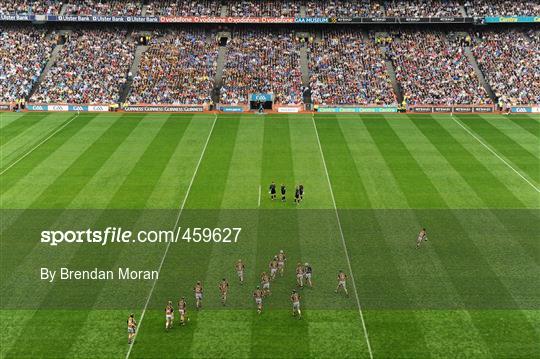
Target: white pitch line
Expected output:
[495,153]
[174,229]
[259,203]
[343,240]
[39,144]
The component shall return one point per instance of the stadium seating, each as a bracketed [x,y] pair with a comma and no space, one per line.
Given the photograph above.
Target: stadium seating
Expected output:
[482,8]
[111,8]
[331,8]
[177,68]
[23,7]
[184,8]
[23,55]
[511,62]
[262,62]
[423,8]
[91,68]
[277,8]
[348,68]
[432,70]
[272,8]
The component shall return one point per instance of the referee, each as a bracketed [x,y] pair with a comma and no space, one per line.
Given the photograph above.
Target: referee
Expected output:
[297,195]
[272,191]
[283,193]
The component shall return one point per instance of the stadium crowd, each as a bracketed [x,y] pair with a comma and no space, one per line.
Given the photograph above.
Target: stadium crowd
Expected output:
[184,8]
[511,62]
[24,7]
[432,70]
[332,8]
[277,8]
[423,8]
[347,68]
[177,68]
[23,55]
[91,68]
[270,8]
[262,62]
[389,8]
[481,8]
[97,7]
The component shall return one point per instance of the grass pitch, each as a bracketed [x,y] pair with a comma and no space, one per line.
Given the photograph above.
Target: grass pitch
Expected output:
[371,182]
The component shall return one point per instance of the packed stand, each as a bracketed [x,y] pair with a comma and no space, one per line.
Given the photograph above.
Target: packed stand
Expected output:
[91,68]
[184,8]
[432,71]
[482,8]
[106,8]
[23,56]
[337,8]
[262,62]
[268,8]
[510,61]
[26,7]
[178,68]
[423,8]
[347,68]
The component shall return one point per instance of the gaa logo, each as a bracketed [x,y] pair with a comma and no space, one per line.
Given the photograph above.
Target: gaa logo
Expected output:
[520,109]
[261,98]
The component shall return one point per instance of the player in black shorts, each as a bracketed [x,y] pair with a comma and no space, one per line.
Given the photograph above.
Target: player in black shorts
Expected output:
[301,188]
[272,191]
[283,192]
[297,195]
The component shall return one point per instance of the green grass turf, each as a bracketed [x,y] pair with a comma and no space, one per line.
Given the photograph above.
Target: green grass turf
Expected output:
[471,291]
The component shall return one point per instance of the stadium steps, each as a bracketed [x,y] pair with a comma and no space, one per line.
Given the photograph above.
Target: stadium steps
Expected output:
[54,56]
[221,61]
[304,65]
[224,10]
[143,10]
[303,10]
[63,9]
[134,69]
[390,69]
[478,72]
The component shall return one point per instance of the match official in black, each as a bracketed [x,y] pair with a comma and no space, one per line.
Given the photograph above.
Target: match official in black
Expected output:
[272,191]
[297,195]
[283,193]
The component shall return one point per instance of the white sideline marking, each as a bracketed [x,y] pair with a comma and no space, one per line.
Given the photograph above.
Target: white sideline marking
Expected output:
[495,153]
[174,229]
[343,240]
[259,204]
[39,144]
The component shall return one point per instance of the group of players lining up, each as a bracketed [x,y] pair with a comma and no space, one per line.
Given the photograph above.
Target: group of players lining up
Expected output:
[298,192]
[276,266]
